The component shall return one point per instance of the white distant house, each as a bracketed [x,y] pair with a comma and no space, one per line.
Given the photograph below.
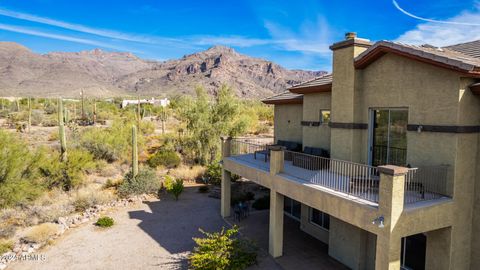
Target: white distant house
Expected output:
[155,102]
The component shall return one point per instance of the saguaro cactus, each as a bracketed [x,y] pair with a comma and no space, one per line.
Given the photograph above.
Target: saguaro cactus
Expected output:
[138,112]
[83,105]
[61,132]
[29,121]
[94,116]
[134,152]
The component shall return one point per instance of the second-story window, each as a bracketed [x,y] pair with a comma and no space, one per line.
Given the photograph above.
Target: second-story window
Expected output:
[324,116]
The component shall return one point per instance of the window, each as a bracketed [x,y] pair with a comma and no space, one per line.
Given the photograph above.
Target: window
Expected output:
[324,116]
[319,218]
[292,208]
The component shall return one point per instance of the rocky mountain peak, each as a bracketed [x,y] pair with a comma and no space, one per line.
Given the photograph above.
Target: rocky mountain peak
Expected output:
[104,73]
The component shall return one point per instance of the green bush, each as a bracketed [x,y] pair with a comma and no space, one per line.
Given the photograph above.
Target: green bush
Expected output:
[105,222]
[169,159]
[214,173]
[145,182]
[69,174]
[262,203]
[110,144]
[223,250]
[242,197]
[20,177]
[173,186]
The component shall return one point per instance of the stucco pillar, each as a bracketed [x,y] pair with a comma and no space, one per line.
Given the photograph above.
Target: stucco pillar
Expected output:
[226,146]
[390,207]
[276,160]
[275,238]
[226,184]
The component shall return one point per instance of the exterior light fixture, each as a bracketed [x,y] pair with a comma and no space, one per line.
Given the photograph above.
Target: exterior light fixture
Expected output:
[419,129]
[380,221]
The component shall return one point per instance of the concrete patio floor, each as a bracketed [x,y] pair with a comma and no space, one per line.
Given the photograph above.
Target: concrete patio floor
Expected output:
[300,250]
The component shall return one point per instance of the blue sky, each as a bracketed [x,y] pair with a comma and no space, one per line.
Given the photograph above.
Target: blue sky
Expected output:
[295,34]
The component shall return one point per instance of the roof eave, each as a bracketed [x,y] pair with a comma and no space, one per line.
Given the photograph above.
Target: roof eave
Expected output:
[298,100]
[371,56]
[312,89]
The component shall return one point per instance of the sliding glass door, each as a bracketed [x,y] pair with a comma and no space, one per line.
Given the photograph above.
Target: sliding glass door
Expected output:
[388,137]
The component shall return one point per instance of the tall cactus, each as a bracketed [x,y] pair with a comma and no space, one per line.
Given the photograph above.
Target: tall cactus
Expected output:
[61,132]
[83,105]
[134,152]
[138,112]
[29,121]
[94,116]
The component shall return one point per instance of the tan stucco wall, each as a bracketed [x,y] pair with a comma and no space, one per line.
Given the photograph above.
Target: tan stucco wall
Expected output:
[351,245]
[287,122]
[316,136]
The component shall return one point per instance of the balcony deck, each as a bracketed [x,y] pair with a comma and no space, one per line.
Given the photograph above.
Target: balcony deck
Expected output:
[316,179]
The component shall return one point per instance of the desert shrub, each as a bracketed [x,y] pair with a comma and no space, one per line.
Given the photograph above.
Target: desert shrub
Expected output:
[188,173]
[262,203]
[146,181]
[69,174]
[105,222]
[214,173]
[37,117]
[7,228]
[110,144]
[203,189]
[242,197]
[49,122]
[5,246]
[223,250]
[173,186]
[169,159]
[88,197]
[20,179]
[41,233]
[111,183]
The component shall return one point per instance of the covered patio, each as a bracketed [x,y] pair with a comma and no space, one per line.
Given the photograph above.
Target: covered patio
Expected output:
[300,251]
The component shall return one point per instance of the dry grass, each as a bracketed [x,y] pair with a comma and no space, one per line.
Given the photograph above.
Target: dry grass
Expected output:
[41,233]
[187,173]
[88,197]
[5,245]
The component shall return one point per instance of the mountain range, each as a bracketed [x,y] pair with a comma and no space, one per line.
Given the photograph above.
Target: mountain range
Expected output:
[106,74]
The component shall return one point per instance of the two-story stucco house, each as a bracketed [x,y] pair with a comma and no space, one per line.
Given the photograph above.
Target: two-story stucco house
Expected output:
[381,157]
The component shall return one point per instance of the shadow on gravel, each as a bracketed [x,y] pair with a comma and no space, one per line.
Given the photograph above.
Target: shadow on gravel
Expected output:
[172,224]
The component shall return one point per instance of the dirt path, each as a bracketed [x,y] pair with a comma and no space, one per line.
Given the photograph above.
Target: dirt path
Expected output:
[151,235]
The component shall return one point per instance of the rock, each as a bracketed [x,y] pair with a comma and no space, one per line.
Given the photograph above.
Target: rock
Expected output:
[2,266]
[35,246]
[30,250]
[62,221]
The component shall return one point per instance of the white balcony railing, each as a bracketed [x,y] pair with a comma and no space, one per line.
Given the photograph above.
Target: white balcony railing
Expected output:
[354,179]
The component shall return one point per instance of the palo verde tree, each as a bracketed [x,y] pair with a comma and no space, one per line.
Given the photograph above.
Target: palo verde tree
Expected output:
[206,120]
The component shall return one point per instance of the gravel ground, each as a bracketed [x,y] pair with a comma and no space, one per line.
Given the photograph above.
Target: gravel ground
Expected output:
[151,235]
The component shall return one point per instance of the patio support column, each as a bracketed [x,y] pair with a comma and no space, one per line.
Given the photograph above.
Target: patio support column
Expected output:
[226,180]
[226,193]
[275,240]
[276,160]
[390,207]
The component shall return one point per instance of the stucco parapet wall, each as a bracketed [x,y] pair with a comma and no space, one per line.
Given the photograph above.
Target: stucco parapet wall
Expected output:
[421,217]
[392,170]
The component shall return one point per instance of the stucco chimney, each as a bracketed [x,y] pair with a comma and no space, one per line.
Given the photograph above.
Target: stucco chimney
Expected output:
[350,35]
[344,85]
